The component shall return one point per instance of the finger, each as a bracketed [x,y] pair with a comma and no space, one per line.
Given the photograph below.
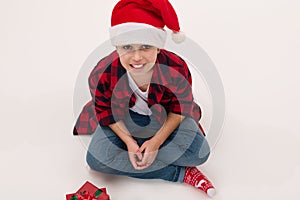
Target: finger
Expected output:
[140,153]
[149,158]
[144,160]
[132,160]
[142,148]
[141,167]
[139,156]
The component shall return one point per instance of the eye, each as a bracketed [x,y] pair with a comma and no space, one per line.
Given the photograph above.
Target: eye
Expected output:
[127,47]
[145,46]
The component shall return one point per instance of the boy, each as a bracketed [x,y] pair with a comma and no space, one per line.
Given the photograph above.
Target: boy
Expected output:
[142,114]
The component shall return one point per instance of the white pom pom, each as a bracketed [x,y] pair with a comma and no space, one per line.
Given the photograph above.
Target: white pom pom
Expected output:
[178,37]
[211,192]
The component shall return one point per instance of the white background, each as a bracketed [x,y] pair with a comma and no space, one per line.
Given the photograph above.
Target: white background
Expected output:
[255,46]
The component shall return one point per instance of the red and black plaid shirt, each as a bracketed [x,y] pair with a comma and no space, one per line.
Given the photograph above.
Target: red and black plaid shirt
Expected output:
[169,91]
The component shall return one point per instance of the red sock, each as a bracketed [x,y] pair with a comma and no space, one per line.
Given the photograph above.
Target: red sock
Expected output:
[194,177]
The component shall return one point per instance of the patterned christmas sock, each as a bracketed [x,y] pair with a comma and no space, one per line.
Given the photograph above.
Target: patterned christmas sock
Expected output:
[194,177]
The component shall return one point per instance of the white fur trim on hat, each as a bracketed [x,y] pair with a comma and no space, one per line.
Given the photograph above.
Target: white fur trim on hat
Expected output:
[137,33]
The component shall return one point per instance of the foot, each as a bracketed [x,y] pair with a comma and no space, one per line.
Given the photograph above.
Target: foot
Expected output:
[194,177]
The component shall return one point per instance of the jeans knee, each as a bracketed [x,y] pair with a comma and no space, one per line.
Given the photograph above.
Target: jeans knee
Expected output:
[189,123]
[94,163]
[204,152]
[203,158]
[199,151]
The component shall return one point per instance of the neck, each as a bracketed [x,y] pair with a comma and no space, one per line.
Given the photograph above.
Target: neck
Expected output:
[142,80]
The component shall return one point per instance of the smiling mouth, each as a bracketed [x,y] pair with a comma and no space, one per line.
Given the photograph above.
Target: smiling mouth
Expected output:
[137,66]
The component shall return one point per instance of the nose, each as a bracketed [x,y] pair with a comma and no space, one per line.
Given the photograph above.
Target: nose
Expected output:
[137,55]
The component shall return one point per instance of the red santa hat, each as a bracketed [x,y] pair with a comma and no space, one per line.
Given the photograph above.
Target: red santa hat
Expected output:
[142,22]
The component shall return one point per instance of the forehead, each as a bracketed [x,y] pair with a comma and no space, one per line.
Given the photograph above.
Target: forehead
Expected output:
[135,45]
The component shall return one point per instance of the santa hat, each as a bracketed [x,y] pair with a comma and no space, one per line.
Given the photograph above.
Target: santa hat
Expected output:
[142,22]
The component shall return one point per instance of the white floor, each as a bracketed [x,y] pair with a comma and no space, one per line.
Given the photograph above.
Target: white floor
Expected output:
[255,46]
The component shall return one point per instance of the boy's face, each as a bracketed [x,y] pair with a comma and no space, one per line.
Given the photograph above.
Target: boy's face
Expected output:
[138,59]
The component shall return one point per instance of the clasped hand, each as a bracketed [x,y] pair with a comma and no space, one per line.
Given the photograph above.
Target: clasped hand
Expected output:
[142,157]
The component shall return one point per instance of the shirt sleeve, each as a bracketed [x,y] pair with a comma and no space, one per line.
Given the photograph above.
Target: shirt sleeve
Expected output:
[106,111]
[179,93]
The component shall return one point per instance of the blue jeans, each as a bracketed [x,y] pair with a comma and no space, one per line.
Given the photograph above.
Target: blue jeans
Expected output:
[186,146]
